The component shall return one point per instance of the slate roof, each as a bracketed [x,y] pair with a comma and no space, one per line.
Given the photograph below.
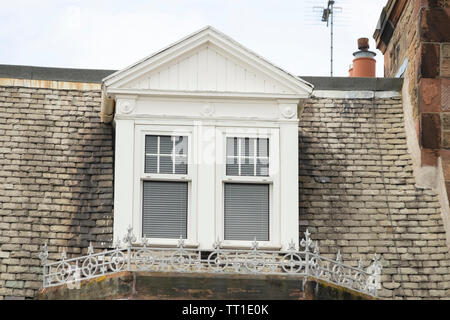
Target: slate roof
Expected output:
[357,193]
[56,180]
[357,189]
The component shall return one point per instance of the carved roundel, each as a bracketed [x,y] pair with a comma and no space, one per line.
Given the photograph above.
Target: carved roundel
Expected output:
[126,106]
[208,110]
[287,111]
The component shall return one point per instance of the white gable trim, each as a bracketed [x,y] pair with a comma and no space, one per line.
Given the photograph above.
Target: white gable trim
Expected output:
[205,94]
[221,42]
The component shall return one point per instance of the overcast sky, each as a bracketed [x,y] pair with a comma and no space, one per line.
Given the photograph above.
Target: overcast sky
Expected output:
[112,34]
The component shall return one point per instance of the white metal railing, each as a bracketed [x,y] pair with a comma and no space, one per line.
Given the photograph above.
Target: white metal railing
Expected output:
[133,257]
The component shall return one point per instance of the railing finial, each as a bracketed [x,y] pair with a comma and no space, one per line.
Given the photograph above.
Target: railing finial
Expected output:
[63,255]
[129,238]
[374,280]
[181,242]
[90,249]
[254,244]
[306,242]
[217,244]
[360,264]
[144,241]
[292,246]
[43,255]
[316,248]
[339,256]
[118,243]
[376,266]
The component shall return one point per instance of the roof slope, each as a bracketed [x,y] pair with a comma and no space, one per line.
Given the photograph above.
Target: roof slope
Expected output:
[56,180]
[357,193]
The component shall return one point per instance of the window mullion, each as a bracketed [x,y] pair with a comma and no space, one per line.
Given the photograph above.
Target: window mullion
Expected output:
[239,155]
[254,157]
[157,157]
[173,155]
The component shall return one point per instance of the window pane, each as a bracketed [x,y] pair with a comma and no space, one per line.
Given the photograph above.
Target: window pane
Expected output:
[232,167]
[250,149]
[180,165]
[164,209]
[246,211]
[262,167]
[263,147]
[232,146]
[151,164]
[181,146]
[151,144]
[165,157]
[247,147]
[165,145]
[247,167]
[165,164]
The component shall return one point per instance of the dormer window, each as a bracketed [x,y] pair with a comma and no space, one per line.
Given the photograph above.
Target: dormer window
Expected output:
[247,205]
[163,179]
[206,146]
[248,186]
[165,200]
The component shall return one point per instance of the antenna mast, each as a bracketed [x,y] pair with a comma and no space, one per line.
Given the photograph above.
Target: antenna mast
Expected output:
[328,17]
[328,14]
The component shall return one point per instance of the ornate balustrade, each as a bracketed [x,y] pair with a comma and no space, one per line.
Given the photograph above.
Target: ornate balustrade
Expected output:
[133,257]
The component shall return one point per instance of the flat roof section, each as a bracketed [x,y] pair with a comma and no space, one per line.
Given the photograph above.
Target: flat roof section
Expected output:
[54,74]
[355,83]
[96,76]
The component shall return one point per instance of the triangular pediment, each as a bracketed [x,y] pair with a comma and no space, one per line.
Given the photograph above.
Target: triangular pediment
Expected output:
[207,61]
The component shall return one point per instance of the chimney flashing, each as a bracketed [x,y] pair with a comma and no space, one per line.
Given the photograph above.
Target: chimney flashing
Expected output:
[364,53]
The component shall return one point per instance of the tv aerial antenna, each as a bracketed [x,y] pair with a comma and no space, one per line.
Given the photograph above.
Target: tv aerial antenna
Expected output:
[328,17]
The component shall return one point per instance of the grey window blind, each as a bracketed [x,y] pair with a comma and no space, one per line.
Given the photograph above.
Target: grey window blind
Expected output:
[166,154]
[246,211]
[165,207]
[247,157]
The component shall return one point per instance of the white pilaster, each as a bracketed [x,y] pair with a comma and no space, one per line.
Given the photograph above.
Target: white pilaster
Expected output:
[289,185]
[123,177]
[206,138]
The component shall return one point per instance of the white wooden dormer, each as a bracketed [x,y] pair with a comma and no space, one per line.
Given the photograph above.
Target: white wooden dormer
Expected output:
[208,90]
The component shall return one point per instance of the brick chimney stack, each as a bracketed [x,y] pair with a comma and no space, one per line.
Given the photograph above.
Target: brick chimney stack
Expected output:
[364,62]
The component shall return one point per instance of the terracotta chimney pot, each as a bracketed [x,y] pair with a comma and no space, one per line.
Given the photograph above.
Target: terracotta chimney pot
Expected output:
[363,44]
[364,64]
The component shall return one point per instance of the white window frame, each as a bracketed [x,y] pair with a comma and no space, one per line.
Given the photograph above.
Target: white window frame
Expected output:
[139,176]
[273,180]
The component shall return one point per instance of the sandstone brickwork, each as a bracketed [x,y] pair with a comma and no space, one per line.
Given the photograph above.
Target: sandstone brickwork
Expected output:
[357,193]
[56,180]
[418,32]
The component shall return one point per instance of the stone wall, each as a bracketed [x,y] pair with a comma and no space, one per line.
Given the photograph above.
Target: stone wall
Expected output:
[357,193]
[195,286]
[421,35]
[56,180]
[404,43]
[433,83]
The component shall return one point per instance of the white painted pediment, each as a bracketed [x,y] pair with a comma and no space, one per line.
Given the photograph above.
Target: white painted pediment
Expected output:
[208,68]
[206,62]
